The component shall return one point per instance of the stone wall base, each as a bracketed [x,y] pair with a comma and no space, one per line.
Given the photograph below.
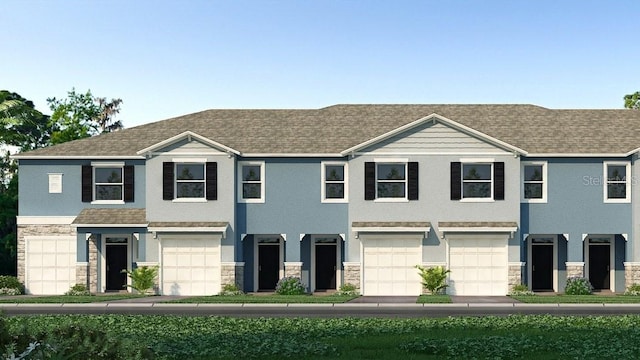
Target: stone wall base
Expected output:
[631,274]
[575,269]
[515,274]
[352,274]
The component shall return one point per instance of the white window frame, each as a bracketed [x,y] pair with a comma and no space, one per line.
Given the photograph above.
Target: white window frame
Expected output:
[94,184]
[189,161]
[241,182]
[544,182]
[627,181]
[390,161]
[489,162]
[324,182]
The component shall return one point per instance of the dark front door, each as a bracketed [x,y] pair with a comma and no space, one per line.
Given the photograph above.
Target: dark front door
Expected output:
[268,266]
[116,258]
[542,267]
[599,265]
[325,267]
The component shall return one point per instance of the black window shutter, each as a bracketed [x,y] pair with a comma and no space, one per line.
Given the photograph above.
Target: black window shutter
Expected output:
[369,181]
[456,181]
[167,181]
[498,181]
[412,185]
[87,183]
[212,180]
[128,183]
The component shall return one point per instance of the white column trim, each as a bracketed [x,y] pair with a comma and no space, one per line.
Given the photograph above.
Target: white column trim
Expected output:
[584,236]
[242,236]
[284,237]
[625,236]
[566,236]
[524,237]
[302,236]
[343,236]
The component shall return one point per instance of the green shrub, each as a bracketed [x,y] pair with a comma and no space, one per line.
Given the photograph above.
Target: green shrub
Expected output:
[520,290]
[143,279]
[230,290]
[633,290]
[78,290]
[348,290]
[67,342]
[290,286]
[10,285]
[578,286]
[434,278]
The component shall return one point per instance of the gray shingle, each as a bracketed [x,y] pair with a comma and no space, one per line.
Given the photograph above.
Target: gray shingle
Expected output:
[111,217]
[336,128]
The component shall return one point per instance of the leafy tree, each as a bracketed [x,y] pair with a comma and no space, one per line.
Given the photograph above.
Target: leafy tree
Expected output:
[21,125]
[82,115]
[632,101]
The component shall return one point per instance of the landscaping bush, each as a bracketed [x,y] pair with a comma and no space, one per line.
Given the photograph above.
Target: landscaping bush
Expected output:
[348,290]
[10,285]
[520,290]
[143,279]
[230,290]
[633,290]
[78,290]
[290,286]
[434,278]
[578,286]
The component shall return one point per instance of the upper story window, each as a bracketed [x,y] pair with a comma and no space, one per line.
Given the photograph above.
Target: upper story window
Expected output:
[252,182]
[107,183]
[477,180]
[534,182]
[189,180]
[391,180]
[334,182]
[617,187]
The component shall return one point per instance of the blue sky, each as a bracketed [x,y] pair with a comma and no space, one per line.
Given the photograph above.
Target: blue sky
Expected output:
[169,58]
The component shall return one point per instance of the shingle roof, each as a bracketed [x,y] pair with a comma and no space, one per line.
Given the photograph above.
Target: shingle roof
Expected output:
[111,217]
[188,224]
[477,224]
[390,224]
[336,128]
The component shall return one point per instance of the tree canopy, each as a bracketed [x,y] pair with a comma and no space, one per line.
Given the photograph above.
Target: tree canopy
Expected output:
[632,101]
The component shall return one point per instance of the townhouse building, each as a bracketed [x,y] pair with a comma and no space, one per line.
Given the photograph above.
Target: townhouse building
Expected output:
[499,194]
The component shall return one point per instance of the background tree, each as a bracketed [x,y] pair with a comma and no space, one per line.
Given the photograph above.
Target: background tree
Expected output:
[23,128]
[632,101]
[82,115]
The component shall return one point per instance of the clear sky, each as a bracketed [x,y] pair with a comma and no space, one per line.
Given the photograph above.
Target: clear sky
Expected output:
[169,58]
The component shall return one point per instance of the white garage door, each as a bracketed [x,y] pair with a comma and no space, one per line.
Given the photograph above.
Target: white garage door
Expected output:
[190,266]
[389,266]
[478,266]
[50,264]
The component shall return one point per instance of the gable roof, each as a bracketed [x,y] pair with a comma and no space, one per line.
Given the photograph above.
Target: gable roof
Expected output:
[332,130]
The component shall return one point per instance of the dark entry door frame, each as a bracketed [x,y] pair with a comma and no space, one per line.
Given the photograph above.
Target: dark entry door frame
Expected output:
[268,261]
[325,272]
[546,242]
[116,256]
[599,256]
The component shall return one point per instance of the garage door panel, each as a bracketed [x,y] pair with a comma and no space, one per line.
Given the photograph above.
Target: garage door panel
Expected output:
[388,266]
[50,264]
[191,266]
[478,266]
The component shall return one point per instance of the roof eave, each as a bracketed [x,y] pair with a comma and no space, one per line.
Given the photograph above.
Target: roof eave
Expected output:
[187,135]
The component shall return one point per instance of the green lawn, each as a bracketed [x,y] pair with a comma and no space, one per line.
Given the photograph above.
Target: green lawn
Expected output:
[61,299]
[434,299]
[509,337]
[578,299]
[268,299]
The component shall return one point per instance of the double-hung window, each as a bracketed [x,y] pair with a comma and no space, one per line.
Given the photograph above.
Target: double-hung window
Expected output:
[534,182]
[107,183]
[252,182]
[617,187]
[477,180]
[334,182]
[391,180]
[189,180]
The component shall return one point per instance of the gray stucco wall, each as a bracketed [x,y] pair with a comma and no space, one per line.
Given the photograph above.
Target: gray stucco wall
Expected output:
[33,187]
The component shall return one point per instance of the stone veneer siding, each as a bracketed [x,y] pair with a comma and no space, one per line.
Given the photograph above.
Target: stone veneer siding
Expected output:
[575,270]
[515,275]
[631,274]
[93,265]
[352,274]
[232,273]
[37,230]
